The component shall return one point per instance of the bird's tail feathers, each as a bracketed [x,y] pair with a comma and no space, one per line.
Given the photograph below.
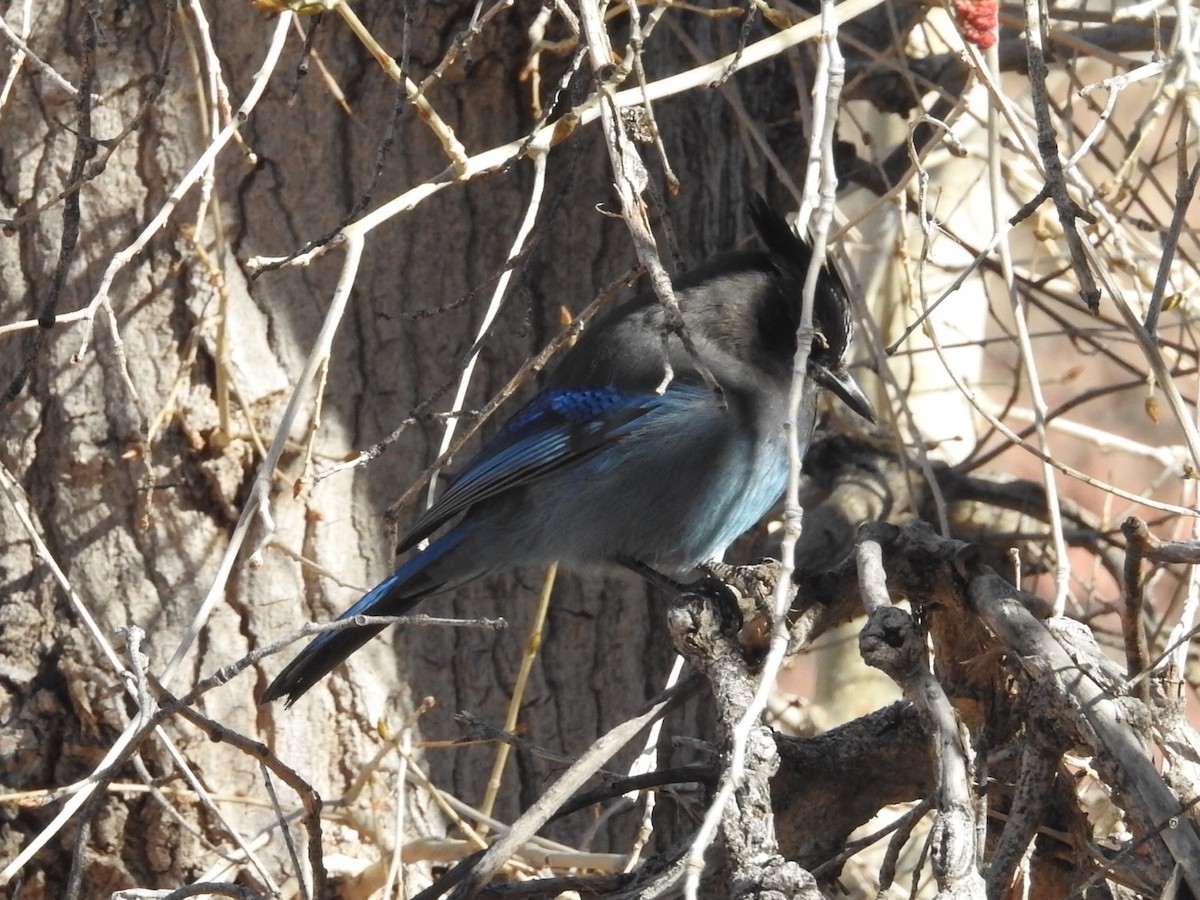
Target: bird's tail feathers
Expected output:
[394,596]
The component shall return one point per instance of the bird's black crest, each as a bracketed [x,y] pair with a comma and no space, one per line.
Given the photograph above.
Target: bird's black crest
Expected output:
[791,255]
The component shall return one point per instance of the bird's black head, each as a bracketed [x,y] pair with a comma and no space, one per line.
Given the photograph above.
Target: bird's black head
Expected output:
[778,322]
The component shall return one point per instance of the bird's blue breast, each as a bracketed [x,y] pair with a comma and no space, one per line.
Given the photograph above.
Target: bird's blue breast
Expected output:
[753,485]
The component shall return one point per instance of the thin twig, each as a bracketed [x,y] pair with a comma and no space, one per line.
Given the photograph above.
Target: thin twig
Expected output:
[1069,212]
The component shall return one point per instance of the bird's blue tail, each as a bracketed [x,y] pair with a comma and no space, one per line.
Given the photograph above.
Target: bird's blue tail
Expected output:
[394,596]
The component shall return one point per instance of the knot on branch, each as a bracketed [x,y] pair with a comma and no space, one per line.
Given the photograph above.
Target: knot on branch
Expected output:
[892,643]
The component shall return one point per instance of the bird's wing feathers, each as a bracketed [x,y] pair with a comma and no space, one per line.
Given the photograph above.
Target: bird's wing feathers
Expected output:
[555,429]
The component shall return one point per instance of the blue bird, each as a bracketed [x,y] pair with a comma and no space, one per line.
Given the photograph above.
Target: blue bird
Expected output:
[602,467]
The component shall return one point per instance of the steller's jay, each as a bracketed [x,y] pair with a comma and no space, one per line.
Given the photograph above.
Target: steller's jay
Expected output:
[602,467]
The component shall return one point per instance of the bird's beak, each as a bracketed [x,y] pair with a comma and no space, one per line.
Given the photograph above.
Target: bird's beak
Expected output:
[839,381]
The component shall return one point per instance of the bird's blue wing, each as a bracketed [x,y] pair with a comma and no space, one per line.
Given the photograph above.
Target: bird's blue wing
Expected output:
[556,428]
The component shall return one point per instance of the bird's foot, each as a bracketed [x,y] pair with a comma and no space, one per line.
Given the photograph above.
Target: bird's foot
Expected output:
[753,588]
[756,582]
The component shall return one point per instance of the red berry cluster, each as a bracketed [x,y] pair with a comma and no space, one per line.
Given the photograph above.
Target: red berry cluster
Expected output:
[977,19]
